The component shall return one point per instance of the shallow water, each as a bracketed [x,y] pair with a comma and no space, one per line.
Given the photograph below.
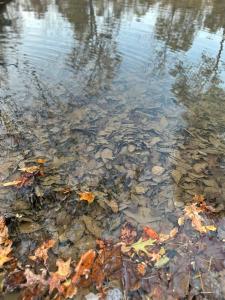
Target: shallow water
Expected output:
[108,92]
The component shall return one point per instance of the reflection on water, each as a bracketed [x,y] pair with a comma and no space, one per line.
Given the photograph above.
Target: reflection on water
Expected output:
[108,90]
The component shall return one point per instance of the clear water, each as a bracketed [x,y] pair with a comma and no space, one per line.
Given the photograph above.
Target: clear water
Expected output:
[108,90]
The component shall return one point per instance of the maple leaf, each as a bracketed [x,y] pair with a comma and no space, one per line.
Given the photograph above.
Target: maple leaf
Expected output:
[84,265]
[5,252]
[42,251]
[151,233]
[140,245]
[87,196]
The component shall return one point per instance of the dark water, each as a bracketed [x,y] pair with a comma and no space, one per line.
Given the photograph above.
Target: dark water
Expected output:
[123,98]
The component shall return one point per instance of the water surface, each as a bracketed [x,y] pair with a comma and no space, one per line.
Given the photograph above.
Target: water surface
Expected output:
[106,91]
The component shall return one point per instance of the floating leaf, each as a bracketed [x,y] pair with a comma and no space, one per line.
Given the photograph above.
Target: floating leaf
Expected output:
[87,196]
[42,251]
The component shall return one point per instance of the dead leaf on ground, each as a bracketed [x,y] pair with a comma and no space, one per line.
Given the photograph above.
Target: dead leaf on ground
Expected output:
[140,246]
[31,169]
[13,183]
[87,196]
[42,251]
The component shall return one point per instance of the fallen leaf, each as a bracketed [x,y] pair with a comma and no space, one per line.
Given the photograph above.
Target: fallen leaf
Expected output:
[156,256]
[41,160]
[87,196]
[4,235]
[140,245]
[13,183]
[128,234]
[171,235]
[33,279]
[151,233]
[199,198]
[5,254]
[68,289]
[84,265]
[162,262]
[113,205]
[42,251]
[31,169]
[141,268]
[63,268]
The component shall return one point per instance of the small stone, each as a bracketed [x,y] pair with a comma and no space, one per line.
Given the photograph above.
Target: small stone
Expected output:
[114,294]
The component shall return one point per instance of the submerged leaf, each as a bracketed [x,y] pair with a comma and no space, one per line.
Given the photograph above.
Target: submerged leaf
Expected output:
[13,183]
[31,169]
[5,252]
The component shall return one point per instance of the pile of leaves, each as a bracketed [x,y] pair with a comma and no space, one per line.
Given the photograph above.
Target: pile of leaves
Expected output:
[188,260]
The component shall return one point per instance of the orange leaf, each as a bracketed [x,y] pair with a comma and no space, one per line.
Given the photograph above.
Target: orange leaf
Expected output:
[151,233]
[84,265]
[5,254]
[87,196]
[42,251]
[41,160]
[199,198]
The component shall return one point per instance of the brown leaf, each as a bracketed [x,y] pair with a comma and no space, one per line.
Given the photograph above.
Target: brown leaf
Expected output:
[87,196]
[4,236]
[42,251]
[84,265]
[128,234]
[34,279]
[68,289]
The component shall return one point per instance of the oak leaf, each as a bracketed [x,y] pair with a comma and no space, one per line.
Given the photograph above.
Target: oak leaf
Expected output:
[140,245]
[42,251]
[87,196]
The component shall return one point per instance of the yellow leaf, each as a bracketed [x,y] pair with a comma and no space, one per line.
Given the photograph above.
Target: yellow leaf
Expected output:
[31,169]
[140,245]
[181,221]
[12,183]
[210,228]
[41,160]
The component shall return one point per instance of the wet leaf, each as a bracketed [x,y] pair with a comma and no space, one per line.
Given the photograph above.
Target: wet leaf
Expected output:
[171,235]
[151,233]
[31,169]
[68,289]
[84,265]
[42,251]
[113,205]
[141,268]
[140,245]
[87,196]
[33,279]
[176,175]
[4,235]
[41,160]
[156,256]
[5,254]
[128,234]
[162,262]
[13,183]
